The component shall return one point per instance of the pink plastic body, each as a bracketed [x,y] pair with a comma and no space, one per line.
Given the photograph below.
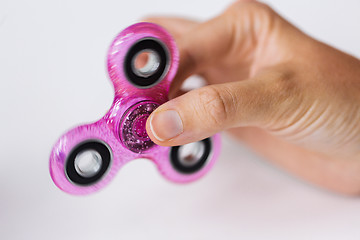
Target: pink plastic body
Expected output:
[108,129]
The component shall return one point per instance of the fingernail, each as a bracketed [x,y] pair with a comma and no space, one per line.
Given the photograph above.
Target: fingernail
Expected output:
[166,125]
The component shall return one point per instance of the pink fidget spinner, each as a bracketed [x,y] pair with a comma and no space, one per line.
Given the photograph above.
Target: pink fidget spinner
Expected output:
[87,157]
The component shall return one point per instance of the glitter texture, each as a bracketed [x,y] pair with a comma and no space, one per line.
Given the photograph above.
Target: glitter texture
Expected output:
[133,127]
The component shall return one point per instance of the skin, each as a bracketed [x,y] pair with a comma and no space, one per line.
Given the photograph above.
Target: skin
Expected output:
[291,98]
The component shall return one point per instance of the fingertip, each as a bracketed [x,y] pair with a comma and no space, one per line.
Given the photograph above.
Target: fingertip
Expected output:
[165,125]
[150,132]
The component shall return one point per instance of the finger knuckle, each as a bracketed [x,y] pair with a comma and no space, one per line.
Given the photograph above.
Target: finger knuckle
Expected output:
[259,17]
[213,106]
[250,8]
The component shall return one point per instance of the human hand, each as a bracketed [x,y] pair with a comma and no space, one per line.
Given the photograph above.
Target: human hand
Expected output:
[291,98]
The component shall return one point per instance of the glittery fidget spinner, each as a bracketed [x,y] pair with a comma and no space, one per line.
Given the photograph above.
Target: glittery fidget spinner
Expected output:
[142,62]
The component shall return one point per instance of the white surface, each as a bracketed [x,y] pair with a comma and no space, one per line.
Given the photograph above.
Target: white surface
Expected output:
[52,75]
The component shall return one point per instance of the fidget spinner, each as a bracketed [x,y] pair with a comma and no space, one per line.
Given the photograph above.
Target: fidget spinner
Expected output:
[142,62]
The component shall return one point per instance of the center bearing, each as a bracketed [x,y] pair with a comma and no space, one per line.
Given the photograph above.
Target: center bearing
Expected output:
[132,129]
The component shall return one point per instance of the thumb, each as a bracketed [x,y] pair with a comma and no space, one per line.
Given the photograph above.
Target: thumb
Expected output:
[203,112]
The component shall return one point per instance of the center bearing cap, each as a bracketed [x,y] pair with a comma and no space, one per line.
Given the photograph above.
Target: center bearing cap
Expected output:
[133,126]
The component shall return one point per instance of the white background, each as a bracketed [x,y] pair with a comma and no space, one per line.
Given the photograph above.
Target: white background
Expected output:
[52,75]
